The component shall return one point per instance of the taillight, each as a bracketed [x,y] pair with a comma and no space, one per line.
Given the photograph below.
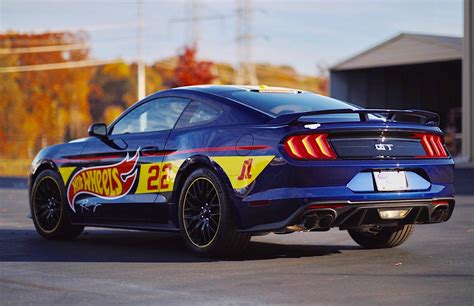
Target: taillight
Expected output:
[312,146]
[433,145]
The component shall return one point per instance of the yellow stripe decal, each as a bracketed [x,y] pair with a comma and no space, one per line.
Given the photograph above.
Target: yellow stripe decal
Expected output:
[242,170]
[158,177]
[66,173]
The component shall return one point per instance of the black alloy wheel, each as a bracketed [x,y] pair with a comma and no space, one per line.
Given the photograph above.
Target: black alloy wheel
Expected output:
[47,206]
[201,213]
[207,216]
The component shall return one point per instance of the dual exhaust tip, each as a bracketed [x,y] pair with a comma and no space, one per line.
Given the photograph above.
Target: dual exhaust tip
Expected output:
[324,219]
[440,214]
[321,220]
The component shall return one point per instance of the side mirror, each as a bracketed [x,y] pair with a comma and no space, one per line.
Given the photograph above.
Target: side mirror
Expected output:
[97,130]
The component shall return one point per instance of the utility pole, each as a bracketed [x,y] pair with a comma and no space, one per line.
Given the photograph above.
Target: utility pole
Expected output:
[194,24]
[193,21]
[468,83]
[245,73]
[141,72]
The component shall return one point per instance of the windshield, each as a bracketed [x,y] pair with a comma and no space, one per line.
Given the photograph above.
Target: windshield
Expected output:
[278,104]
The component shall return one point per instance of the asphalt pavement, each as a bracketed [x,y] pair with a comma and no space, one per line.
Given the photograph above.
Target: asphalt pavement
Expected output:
[436,266]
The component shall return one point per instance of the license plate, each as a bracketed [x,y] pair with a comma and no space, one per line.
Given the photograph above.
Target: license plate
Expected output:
[390,180]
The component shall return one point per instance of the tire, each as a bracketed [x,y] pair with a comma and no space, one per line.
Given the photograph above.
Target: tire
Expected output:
[387,237]
[205,217]
[48,205]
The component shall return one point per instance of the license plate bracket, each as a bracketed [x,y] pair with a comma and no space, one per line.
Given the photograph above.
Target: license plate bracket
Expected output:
[388,180]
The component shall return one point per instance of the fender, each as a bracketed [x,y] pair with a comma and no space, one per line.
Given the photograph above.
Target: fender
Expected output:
[194,162]
[39,166]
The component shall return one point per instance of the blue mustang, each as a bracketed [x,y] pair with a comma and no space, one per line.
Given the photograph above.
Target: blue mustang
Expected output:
[222,163]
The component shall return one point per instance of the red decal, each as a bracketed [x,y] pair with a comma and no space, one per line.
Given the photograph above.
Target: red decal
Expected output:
[246,168]
[152,183]
[107,182]
[162,153]
[166,168]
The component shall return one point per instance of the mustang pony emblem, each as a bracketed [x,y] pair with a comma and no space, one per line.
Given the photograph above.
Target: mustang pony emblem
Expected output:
[106,182]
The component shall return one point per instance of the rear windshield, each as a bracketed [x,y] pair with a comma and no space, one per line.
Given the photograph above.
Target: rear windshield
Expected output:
[278,104]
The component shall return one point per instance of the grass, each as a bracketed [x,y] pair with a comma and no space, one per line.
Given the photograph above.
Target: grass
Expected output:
[14,167]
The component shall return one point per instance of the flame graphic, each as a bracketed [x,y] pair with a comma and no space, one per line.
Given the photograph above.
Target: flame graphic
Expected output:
[106,182]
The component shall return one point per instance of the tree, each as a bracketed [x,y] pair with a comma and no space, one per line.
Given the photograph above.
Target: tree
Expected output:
[154,82]
[13,110]
[190,71]
[109,86]
[111,113]
[51,105]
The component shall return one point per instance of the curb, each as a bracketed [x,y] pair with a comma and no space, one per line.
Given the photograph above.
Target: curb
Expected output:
[13,182]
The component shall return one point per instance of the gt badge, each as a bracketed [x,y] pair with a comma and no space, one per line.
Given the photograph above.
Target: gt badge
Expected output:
[383,146]
[106,182]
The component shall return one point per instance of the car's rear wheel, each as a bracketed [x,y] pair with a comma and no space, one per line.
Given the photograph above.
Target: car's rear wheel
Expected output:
[205,217]
[379,238]
[48,208]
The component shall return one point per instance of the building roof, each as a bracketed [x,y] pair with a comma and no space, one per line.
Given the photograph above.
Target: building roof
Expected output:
[406,49]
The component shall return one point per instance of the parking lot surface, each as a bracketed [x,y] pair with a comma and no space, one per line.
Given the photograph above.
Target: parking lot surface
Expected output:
[435,266]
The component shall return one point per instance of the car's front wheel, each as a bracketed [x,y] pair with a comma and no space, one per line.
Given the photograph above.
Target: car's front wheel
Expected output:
[48,208]
[205,217]
[379,238]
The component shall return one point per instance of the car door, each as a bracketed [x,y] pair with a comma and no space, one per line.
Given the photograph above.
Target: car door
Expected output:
[127,165]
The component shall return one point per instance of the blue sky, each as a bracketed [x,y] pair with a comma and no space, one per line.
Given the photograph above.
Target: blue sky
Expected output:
[302,34]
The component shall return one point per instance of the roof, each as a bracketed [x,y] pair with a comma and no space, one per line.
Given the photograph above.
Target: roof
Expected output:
[267,100]
[226,88]
[405,49]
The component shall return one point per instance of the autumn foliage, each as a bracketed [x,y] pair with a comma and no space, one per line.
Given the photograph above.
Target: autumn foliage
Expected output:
[41,108]
[190,71]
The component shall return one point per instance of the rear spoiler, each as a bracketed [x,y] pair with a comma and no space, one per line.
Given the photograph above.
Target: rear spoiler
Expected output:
[429,118]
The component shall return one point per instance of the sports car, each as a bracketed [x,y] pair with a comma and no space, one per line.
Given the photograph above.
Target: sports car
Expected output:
[220,164]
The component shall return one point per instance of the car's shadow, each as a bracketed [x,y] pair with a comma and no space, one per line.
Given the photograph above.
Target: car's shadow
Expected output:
[24,245]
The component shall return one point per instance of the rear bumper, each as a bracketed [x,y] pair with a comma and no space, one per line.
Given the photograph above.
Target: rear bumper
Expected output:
[366,213]
[348,214]
[288,206]
[287,189]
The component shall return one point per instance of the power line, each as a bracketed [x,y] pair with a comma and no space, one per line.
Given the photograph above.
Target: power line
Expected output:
[245,73]
[56,66]
[141,70]
[94,28]
[194,19]
[41,49]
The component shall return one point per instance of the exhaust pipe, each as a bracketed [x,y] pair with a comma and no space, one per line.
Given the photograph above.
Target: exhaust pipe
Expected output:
[440,214]
[312,222]
[309,222]
[326,221]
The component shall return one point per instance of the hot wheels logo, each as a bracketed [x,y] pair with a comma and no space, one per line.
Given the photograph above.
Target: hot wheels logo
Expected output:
[106,182]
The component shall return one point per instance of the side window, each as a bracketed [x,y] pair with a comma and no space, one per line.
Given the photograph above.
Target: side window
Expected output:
[155,115]
[198,113]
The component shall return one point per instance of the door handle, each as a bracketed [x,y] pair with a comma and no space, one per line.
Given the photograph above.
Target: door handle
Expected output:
[150,149]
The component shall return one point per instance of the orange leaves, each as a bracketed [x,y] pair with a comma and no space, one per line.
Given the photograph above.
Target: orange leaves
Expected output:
[39,108]
[111,113]
[52,106]
[190,71]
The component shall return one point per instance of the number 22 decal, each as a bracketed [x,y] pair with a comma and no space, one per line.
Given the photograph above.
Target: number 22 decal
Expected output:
[157,182]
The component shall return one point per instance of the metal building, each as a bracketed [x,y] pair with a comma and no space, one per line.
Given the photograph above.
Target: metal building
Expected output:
[409,71]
